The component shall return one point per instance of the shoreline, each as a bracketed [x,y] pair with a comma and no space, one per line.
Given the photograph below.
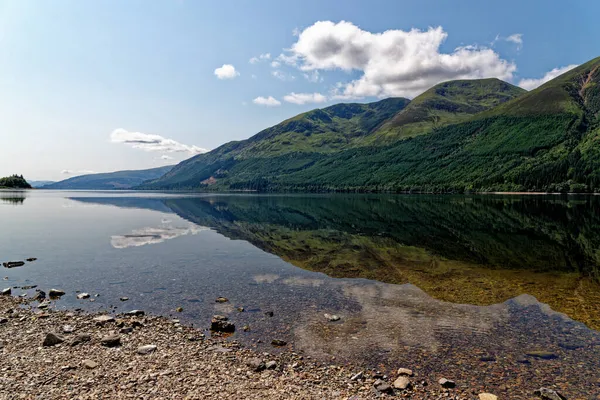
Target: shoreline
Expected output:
[184,363]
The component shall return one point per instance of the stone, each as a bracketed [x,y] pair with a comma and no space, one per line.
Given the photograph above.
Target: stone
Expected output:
[126,330]
[549,394]
[30,259]
[81,338]
[256,364]
[13,264]
[358,376]
[124,298]
[487,358]
[402,382]
[544,355]
[39,295]
[487,396]
[405,372]
[3,320]
[271,365]
[135,313]
[278,342]
[6,292]
[220,323]
[447,383]
[269,313]
[52,339]
[382,386]
[56,292]
[222,300]
[147,349]
[111,340]
[104,319]
[89,364]
[246,328]
[332,318]
[179,309]
[82,296]
[44,304]
[68,329]
[240,309]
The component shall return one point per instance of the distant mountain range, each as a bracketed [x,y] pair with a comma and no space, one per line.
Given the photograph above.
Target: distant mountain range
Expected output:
[110,180]
[37,184]
[466,135]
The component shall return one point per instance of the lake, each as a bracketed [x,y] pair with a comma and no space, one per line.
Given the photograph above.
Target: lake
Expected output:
[495,291]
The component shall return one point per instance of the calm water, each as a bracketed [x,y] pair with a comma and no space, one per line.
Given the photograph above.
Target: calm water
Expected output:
[463,287]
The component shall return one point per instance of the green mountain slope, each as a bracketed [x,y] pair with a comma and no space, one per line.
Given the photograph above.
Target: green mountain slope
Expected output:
[110,180]
[444,104]
[14,182]
[543,140]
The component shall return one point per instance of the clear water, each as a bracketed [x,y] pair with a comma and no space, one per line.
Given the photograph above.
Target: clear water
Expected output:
[457,286]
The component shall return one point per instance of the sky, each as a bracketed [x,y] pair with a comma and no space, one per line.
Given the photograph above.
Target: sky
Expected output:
[99,86]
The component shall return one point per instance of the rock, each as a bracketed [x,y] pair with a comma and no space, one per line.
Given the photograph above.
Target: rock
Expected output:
[30,259]
[135,313]
[82,296]
[6,292]
[402,382]
[66,368]
[222,300]
[544,355]
[27,287]
[81,338]
[104,319]
[52,339]
[256,364]
[487,358]
[68,329]
[269,313]
[126,330]
[111,340]
[124,298]
[382,386]
[89,364]
[549,394]
[3,320]
[332,318]
[271,365]
[56,292]
[358,376]
[447,383]
[220,323]
[246,328]
[39,295]
[240,309]
[147,349]
[136,324]
[179,309]
[44,304]
[278,342]
[405,372]
[13,264]
[487,396]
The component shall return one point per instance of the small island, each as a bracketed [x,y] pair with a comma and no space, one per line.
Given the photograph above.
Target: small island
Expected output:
[14,182]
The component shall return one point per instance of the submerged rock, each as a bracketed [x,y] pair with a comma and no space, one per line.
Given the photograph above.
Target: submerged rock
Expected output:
[220,323]
[278,342]
[39,295]
[544,355]
[549,394]
[52,339]
[13,264]
[44,304]
[82,296]
[179,309]
[222,300]
[332,318]
[135,313]
[124,298]
[56,292]
[30,259]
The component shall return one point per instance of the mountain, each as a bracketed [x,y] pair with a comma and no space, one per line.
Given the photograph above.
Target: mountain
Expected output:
[110,180]
[543,140]
[14,182]
[37,184]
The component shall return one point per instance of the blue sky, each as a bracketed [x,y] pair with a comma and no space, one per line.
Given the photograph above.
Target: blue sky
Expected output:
[109,85]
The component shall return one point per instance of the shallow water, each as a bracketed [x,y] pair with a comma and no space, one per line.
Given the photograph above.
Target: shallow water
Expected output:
[457,286]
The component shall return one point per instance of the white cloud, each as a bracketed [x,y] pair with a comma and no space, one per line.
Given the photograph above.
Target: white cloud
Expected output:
[166,157]
[313,77]
[303,98]
[267,101]
[79,172]
[275,64]
[227,71]
[151,142]
[282,76]
[262,57]
[393,63]
[146,236]
[516,38]
[530,84]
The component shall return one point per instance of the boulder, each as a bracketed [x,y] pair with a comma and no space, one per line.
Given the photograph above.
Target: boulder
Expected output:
[6,292]
[402,382]
[111,340]
[56,292]
[220,323]
[52,339]
[447,383]
[147,349]
[13,264]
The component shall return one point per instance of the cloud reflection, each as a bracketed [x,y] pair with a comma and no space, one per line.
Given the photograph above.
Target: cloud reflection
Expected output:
[153,235]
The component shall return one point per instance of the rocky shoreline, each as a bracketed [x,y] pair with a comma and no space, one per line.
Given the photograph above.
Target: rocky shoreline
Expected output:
[63,355]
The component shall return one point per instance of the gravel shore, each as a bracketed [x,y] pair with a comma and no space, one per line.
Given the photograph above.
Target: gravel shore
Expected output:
[73,355]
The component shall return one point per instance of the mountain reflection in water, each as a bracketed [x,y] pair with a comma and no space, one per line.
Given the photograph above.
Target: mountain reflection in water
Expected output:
[478,250]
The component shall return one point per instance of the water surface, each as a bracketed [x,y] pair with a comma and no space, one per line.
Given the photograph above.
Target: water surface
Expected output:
[474,288]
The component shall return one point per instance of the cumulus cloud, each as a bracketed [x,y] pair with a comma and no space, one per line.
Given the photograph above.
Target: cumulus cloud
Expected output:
[267,101]
[151,142]
[313,77]
[227,71]
[262,57]
[530,84]
[283,76]
[516,38]
[393,63]
[303,98]
[275,64]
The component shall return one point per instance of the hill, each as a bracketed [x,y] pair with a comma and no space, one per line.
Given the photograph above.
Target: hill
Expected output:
[110,180]
[37,184]
[543,140]
[14,182]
